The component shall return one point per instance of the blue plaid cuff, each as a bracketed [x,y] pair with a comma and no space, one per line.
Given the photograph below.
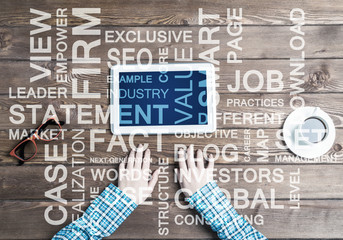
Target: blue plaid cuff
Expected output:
[101,218]
[213,205]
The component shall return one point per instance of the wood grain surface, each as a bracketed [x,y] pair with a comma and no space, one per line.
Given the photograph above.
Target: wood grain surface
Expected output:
[322,41]
[163,12]
[276,114]
[324,213]
[319,75]
[266,35]
[111,148]
[28,184]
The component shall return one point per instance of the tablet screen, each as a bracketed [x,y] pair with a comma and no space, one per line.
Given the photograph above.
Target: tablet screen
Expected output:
[157,98]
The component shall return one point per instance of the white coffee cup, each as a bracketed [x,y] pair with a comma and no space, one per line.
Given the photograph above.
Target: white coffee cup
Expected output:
[312,130]
[309,132]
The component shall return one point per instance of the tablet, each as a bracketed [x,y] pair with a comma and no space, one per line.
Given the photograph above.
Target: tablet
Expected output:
[163,98]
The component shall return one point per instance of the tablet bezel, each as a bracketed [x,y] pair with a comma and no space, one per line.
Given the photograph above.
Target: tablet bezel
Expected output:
[164,129]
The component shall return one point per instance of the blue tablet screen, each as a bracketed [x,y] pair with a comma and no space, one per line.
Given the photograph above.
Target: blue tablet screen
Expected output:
[162,98]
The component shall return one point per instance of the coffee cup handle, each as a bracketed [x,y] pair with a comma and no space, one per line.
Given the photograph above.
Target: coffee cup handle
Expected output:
[316,109]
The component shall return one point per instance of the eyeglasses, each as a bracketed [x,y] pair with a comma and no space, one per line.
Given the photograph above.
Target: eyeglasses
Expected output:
[27,148]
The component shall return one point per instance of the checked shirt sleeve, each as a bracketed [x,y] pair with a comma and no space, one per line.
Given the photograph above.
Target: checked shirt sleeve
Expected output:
[213,205]
[101,218]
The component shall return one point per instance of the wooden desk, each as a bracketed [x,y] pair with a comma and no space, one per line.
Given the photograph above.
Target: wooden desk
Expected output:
[265,46]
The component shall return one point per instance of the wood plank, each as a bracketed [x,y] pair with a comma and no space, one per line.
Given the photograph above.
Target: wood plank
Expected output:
[321,41]
[28,182]
[315,219]
[233,110]
[224,151]
[320,76]
[161,12]
[265,46]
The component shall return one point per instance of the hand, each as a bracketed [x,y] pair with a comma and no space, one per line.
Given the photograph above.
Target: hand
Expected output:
[134,179]
[192,173]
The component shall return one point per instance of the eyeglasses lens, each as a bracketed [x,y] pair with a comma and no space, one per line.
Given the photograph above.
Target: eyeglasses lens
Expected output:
[26,150]
[49,130]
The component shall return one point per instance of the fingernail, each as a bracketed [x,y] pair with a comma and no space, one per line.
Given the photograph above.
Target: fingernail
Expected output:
[140,150]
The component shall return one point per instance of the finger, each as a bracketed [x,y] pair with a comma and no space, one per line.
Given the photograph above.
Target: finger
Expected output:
[139,156]
[122,166]
[190,157]
[182,160]
[131,159]
[154,179]
[176,172]
[210,162]
[122,170]
[200,159]
[146,160]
